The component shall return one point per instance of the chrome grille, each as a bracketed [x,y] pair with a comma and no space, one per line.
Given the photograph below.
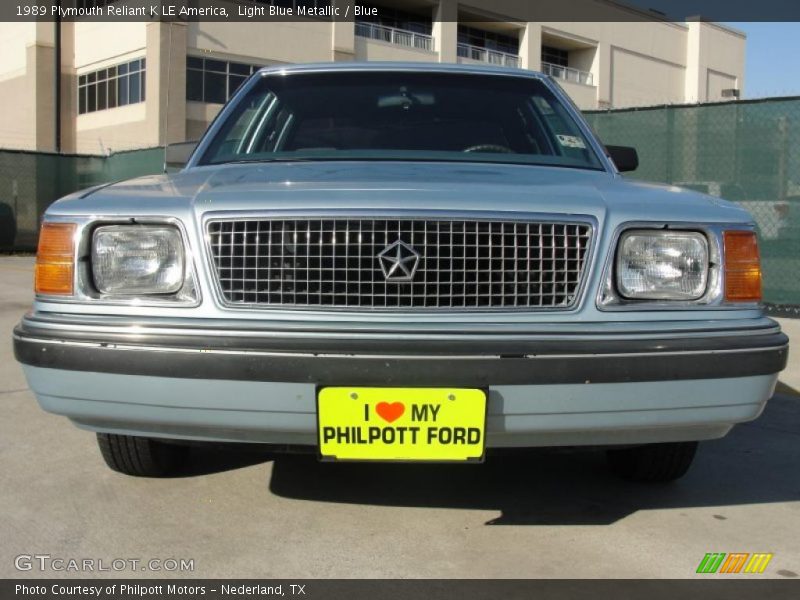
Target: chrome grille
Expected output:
[463,264]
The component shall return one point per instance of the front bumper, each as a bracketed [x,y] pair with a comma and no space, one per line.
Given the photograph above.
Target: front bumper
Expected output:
[261,386]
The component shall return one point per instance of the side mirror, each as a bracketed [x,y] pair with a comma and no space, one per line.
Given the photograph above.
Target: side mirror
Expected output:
[177,155]
[624,157]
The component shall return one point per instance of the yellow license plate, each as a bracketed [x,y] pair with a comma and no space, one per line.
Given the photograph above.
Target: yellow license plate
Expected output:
[404,424]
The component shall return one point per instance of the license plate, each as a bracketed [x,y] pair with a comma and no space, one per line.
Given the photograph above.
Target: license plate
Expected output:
[402,424]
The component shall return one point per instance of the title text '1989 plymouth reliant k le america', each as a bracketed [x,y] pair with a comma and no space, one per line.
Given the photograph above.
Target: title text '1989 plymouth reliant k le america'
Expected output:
[400,262]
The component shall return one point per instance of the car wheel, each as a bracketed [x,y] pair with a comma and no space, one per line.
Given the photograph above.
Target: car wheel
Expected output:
[652,462]
[140,456]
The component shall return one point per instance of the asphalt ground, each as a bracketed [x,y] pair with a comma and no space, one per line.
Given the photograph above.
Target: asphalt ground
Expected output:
[251,514]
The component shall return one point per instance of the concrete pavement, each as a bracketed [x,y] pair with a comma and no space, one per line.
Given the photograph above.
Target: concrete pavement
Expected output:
[791,376]
[248,514]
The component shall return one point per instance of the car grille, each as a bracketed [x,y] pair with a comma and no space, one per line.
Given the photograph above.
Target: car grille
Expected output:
[461,264]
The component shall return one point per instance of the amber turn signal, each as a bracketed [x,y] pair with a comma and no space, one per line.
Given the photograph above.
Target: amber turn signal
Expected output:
[742,267]
[55,259]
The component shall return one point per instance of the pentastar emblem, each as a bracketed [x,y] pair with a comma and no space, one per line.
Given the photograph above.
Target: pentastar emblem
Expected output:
[399,261]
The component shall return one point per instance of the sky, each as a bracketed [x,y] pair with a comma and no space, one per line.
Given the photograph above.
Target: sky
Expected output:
[772,53]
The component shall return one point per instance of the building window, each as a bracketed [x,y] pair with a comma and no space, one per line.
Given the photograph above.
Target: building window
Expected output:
[398,19]
[398,27]
[215,81]
[555,62]
[555,56]
[488,40]
[111,87]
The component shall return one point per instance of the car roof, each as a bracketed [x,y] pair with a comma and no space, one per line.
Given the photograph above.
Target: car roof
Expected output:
[421,67]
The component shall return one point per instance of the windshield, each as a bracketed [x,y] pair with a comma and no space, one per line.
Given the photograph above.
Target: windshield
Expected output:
[396,115]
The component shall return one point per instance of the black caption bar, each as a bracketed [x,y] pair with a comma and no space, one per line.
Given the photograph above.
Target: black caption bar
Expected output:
[350,10]
[348,589]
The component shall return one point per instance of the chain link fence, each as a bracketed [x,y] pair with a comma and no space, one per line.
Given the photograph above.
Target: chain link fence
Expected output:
[745,151]
[31,181]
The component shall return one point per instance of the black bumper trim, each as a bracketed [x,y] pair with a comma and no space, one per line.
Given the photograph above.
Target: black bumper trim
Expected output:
[382,363]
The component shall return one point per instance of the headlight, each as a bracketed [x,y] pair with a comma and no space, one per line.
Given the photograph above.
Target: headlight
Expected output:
[662,265]
[137,259]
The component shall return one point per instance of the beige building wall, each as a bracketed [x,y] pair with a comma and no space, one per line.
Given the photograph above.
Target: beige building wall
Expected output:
[584,96]
[198,117]
[102,44]
[107,131]
[98,46]
[612,65]
[27,119]
[161,118]
[658,63]
[717,83]
[375,50]
[14,40]
[292,42]
[631,64]
[715,59]
[638,80]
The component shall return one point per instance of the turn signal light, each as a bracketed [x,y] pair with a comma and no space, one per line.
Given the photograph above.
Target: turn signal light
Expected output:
[55,265]
[742,267]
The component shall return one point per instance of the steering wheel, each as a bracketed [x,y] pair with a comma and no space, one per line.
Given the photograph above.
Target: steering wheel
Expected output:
[489,148]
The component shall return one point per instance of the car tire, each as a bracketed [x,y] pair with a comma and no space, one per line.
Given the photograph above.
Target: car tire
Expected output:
[140,456]
[652,463]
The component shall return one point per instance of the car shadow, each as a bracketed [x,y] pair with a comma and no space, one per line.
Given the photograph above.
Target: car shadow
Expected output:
[209,458]
[784,389]
[756,463]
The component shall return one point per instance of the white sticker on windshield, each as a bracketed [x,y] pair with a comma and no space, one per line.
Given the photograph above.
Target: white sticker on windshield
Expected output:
[571,141]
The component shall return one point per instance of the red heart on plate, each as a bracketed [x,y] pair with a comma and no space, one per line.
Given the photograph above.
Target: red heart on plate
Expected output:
[390,412]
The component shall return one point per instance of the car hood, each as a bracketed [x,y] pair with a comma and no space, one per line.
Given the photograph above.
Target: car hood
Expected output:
[323,187]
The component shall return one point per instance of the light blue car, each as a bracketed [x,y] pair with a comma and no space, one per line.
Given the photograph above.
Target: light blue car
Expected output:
[400,262]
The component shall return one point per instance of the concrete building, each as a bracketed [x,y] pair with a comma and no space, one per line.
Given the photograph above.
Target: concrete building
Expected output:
[132,85]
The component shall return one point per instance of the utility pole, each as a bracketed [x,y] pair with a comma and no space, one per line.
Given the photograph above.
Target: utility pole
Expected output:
[57,79]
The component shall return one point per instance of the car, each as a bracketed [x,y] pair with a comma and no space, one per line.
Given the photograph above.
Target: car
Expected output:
[400,262]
